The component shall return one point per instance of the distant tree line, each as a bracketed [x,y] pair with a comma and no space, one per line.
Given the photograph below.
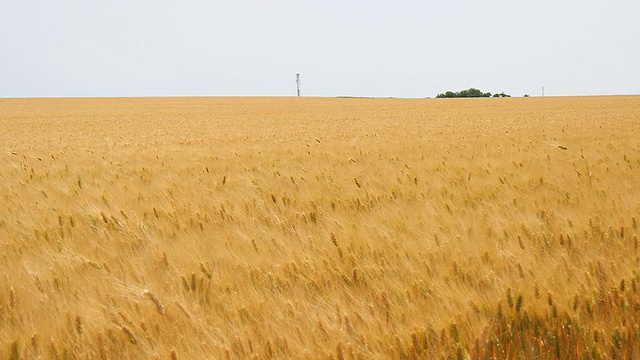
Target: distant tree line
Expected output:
[470,93]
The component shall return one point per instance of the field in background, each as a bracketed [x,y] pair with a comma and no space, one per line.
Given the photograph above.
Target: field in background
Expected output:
[319,228]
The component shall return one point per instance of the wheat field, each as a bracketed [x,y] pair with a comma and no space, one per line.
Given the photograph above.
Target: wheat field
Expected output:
[320,228]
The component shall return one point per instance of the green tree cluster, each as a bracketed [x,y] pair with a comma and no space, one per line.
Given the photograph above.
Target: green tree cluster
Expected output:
[469,93]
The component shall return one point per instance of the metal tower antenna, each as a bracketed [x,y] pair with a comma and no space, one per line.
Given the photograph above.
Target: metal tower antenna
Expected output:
[543,91]
[298,84]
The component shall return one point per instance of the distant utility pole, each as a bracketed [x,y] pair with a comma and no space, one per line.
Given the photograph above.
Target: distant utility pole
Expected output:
[543,91]
[298,84]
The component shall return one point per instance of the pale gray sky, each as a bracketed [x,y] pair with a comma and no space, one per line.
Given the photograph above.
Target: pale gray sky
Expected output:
[356,48]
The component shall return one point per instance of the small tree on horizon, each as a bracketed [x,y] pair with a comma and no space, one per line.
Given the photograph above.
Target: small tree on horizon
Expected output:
[469,93]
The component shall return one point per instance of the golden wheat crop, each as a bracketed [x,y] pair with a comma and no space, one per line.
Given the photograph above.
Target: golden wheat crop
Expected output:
[194,228]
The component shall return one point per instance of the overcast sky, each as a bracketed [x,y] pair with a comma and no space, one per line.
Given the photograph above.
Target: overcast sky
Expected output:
[354,48]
